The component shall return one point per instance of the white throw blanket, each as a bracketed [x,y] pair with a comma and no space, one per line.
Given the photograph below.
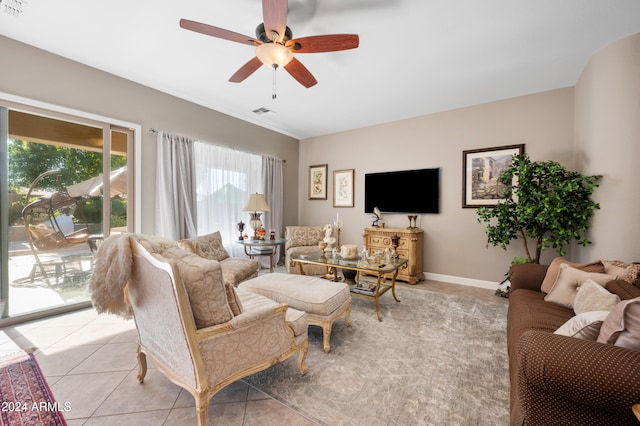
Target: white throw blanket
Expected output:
[111,274]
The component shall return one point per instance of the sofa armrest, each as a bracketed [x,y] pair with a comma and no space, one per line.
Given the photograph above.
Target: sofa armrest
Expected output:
[527,275]
[562,376]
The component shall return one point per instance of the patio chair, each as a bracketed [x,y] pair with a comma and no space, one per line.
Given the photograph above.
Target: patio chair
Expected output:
[46,230]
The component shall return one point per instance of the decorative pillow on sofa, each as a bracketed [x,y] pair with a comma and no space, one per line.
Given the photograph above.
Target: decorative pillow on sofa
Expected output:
[622,325]
[565,289]
[208,246]
[592,296]
[554,269]
[206,289]
[584,326]
[625,271]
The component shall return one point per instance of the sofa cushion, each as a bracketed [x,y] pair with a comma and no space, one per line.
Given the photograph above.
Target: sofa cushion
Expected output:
[205,287]
[236,270]
[624,271]
[554,270]
[208,246]
[622,325]
[584,326]
[303,236]
[623,289]
[592,296]
[569,279]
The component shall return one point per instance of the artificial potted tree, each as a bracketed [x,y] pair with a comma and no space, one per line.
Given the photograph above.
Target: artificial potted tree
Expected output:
[544,203]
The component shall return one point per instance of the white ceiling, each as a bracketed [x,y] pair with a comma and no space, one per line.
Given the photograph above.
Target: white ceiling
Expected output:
[415,56]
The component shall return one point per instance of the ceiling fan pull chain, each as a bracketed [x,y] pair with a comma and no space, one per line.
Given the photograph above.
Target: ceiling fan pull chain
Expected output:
[273,95]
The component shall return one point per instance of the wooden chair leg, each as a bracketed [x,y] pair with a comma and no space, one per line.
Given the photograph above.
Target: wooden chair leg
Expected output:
[302,359]
[347,316]
[202,409]
[326,336]
[142,365]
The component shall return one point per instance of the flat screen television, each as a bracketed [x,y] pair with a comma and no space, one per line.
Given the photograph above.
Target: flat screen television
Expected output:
[405,191]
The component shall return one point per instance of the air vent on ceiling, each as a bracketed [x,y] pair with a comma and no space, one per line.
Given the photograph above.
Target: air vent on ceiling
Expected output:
[12,7]
[262,111]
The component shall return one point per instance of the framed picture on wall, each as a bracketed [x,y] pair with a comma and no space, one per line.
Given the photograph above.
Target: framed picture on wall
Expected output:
[318,182]
[343,188]
[481,169]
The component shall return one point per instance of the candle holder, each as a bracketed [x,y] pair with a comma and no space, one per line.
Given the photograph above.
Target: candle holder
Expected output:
[412,221]
[240,228]
[395,241]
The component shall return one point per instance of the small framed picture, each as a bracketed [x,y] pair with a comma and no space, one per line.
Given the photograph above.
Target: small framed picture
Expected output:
[481,169]
[343,188]
[318,182]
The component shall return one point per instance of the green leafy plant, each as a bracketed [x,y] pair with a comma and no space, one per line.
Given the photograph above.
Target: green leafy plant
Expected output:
[544,202]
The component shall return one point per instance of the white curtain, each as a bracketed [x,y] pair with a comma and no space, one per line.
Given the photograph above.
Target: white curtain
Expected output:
[225,179]
[274,194]
[176,215]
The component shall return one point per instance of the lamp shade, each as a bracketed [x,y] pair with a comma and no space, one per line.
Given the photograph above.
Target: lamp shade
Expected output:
[256,203]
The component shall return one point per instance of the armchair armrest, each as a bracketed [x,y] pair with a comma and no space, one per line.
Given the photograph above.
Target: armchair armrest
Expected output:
[527,275]
[247,318]
[593,380]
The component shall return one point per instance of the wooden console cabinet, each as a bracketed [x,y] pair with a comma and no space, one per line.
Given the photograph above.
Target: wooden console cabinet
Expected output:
[409,247]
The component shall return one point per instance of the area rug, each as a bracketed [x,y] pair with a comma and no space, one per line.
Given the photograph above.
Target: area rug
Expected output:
[435,359]
[25,397]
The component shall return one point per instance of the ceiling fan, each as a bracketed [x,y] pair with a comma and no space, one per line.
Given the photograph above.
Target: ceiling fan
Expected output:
[275,45]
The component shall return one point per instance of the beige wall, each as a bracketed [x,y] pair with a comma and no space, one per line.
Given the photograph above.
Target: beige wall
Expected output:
[455,244]
[43,77]
[608,143]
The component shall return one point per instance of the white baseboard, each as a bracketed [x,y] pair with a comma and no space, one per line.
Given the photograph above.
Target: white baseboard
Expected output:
[490,285]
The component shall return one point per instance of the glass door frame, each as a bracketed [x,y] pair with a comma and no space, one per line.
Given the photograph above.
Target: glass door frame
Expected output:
[108,125]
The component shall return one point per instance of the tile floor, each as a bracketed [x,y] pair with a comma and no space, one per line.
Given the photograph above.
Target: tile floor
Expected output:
[89,360]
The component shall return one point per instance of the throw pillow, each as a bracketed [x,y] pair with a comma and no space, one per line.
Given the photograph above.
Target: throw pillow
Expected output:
[208,246]
[584,326]
[625,271]
[623,289]
[554,269]
[569,279]
[592,296]
[622,325]
[205,287]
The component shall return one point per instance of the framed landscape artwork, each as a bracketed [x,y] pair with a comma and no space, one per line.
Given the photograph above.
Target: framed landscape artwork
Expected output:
[318,182]
[343,188]
[481,169]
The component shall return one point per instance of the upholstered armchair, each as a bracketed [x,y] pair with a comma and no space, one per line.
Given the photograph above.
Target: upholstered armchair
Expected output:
[201,333]
[303,240]
[234,269]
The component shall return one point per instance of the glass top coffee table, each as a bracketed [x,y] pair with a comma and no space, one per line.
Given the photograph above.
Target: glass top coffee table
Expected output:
[361,288]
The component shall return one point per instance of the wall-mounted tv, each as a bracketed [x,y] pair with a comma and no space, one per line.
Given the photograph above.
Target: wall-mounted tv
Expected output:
[405,191]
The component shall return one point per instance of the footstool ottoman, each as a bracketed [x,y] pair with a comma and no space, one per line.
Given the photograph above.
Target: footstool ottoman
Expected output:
[324,301]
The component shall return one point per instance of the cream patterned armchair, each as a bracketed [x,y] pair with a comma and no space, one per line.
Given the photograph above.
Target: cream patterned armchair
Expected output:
[303,240]
[201,333]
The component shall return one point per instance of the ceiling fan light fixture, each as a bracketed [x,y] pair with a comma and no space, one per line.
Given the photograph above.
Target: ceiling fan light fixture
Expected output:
[274,55]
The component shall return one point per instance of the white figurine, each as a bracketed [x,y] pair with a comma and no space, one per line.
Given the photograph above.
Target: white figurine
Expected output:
[329,238]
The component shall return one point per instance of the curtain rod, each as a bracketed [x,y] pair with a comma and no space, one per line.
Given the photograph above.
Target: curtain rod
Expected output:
[154,131]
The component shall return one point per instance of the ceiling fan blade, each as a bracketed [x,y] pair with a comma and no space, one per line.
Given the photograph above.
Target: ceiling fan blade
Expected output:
[300,73]
[246,70]
[274,14]
[324,43]
[218,32]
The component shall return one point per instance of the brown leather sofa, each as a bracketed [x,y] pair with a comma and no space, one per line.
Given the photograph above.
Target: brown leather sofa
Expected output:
[560,380]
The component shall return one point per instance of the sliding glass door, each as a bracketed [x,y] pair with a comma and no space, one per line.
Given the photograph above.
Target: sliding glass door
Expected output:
[65,187]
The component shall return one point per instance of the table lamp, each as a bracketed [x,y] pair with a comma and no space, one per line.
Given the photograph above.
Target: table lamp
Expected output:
[255,206]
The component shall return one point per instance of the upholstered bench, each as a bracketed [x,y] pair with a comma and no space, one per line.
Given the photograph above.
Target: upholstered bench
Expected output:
[324,301]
